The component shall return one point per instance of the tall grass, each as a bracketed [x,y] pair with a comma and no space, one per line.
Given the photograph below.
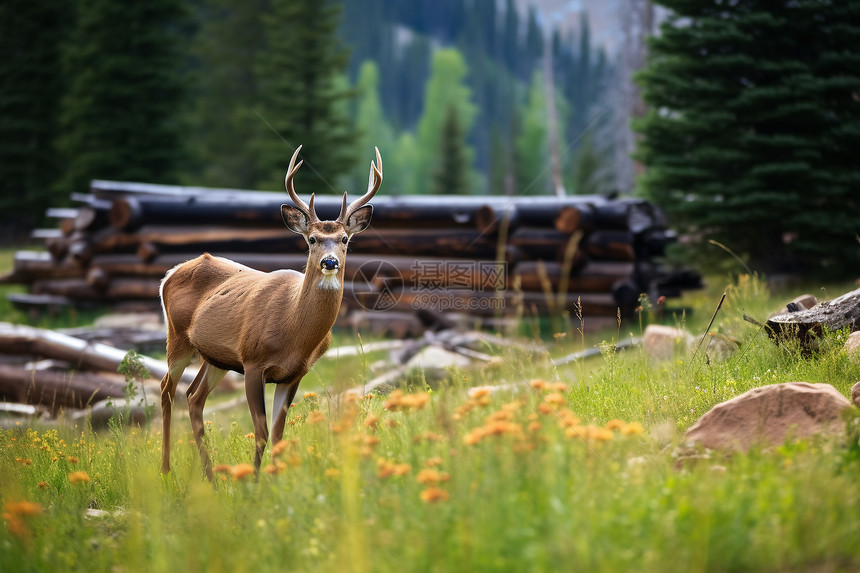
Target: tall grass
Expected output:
[582,469]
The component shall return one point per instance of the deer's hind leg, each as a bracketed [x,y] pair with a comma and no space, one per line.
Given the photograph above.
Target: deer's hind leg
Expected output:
[205,381]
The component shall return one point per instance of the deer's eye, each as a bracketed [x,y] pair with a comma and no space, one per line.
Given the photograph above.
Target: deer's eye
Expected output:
[312,240]
[344,239]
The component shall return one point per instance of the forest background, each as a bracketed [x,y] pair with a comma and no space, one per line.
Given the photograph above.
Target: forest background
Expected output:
[742,121]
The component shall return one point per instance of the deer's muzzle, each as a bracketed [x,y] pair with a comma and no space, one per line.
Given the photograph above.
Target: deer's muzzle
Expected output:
[329,265]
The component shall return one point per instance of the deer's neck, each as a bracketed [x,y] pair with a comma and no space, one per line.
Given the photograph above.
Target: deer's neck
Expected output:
[319,301]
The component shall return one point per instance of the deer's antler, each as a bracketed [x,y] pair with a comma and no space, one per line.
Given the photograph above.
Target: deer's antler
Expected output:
[374,180]
[288,183]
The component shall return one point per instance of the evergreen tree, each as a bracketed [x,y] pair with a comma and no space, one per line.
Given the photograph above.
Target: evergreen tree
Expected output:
[228,42]
[445,88]
[372,126]
[452,171]
[120,114]
[302,100]
[30,84]
[754,128]
[532,175]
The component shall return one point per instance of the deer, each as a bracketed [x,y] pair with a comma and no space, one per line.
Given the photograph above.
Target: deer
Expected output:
[270,326]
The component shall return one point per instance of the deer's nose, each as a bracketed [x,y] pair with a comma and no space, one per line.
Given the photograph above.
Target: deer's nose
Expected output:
[329,264]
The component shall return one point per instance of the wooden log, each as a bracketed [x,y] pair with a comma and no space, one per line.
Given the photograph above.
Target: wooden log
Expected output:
[133,212]
[411,242]
[99,290]
[808,325]
[609,245]
[28,266]
[91,218]
[634,215]
[26,340]
[593,277]
[485,303]
[57,389]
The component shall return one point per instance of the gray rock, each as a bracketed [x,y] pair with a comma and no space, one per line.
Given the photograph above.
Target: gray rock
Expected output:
[663,342]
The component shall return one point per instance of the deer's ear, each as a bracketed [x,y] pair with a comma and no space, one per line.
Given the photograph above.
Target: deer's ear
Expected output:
[295,219]
[359,220]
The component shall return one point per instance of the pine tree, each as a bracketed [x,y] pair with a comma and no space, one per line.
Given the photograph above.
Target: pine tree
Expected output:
[452,171]
[30,83]
[221,119]
[371,123]
[301,97]
[754,128]
[445,88]
[532,175]
[120,114]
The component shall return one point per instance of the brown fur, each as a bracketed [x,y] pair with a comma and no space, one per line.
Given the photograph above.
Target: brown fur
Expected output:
[271,326]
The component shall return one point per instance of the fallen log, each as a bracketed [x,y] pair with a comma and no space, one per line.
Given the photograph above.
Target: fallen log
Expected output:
[807,325]
[57,389]
[26,340]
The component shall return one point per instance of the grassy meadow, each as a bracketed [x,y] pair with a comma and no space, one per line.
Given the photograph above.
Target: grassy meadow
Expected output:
[573,468]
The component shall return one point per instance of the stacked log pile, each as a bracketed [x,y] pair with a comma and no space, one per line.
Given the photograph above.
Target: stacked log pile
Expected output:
[485,256]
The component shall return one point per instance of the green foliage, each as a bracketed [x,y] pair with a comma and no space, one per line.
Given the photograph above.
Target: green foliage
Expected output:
[553,475]
[446,88]
[120,113]
[301,99]
[371,124]
[223,93]
[753,125]
[532,142]
[30,79]
[451,176]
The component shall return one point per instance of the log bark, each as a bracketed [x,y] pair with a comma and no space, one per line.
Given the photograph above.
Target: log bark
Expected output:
[19,339]
[57,389]
[593,277]
[807,325]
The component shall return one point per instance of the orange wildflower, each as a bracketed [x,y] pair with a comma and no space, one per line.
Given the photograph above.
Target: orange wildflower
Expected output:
[615,424]
[556,399]
[240,471]
[428,477]
[545,408]
[332,472]
[371,421]
[632,429]
[23,508]
[25,461]
[310,395]
[72,459]
[78,477]
[316,417]
[397,400]
[433,494]
[431,462]
[221,469]
[42,484]
[388,468]
[539,384]
[280,447]
[274,468]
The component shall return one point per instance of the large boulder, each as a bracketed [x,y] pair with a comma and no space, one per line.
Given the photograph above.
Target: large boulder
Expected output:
[770,415]
[852,345]
[855,394]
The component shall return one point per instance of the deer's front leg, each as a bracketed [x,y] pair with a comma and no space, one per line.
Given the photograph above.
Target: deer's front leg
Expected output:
[254,393]
[285,393]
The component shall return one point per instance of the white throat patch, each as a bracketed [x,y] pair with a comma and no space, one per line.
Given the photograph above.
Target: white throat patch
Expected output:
[329,281]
